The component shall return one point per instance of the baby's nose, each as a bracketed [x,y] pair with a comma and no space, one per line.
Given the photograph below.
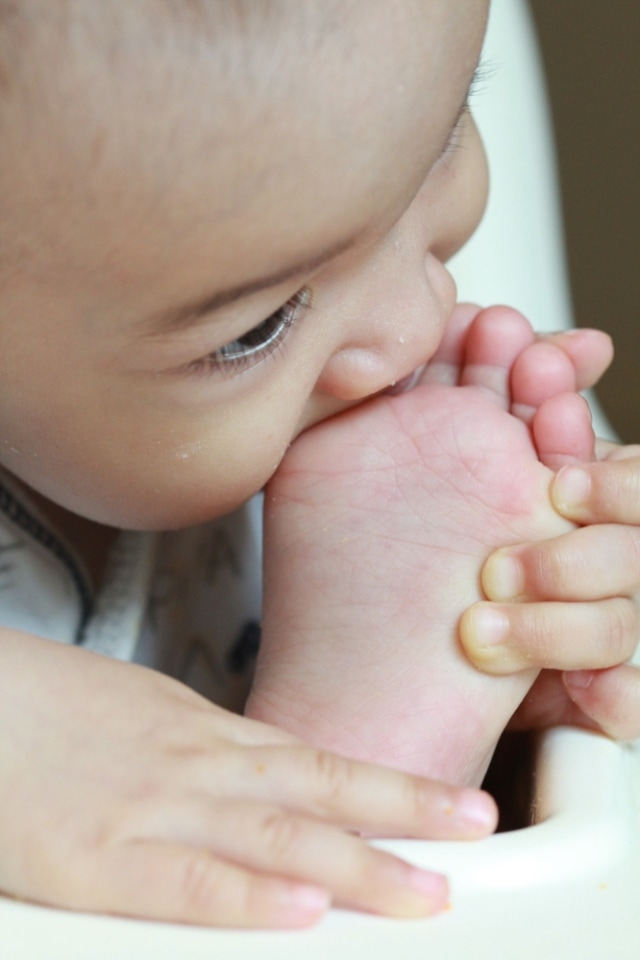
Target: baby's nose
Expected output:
[356,372]
[386,343]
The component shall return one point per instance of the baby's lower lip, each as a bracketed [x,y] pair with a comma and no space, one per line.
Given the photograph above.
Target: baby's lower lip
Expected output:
[406,383]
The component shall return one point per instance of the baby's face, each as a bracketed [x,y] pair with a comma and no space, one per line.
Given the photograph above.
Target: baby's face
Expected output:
[204,261]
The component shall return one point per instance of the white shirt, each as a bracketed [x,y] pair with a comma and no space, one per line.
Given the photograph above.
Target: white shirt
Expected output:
[186,603]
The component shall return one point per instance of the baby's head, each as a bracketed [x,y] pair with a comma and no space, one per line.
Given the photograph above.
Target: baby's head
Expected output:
[221,221]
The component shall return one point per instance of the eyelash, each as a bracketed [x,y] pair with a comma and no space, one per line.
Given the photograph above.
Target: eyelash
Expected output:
[484,71]
[256,344]
[454,139]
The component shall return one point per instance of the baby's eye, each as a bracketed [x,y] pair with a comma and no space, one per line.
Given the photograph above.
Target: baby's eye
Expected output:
[257,343]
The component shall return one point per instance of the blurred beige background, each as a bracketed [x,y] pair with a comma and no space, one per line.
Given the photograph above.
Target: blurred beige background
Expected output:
[591,52]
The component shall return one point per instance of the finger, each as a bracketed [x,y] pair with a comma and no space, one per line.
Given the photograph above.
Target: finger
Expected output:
[506,638]
[186,884]
[603,492]
[267,839]
[590,352]
[611,698]
[548,705]
[360,796]
[608,450]
[590,563]
[245,731]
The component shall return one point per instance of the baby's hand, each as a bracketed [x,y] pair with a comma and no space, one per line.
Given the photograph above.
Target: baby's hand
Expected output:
[126,793]
[571,603]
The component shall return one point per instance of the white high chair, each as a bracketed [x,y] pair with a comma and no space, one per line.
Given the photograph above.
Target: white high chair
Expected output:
[567,886]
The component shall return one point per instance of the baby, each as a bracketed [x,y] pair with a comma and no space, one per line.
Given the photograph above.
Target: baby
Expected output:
[221,225]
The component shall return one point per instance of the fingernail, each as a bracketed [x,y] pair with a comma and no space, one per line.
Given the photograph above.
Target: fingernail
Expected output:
[484,633]
[582,679]
[490,626]
[503,577]
[413,892]
[303,900]
[477,809]
[570,488]
[425,893]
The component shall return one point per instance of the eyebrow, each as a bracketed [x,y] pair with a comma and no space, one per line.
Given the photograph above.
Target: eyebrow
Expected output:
[194,313]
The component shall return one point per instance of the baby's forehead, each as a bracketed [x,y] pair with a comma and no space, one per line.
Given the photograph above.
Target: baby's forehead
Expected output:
[164,117]
[223,64]
[232,61]
[110,61]
[231,30]
[259,44]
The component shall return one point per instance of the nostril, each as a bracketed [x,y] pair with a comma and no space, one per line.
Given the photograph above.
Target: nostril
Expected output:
[407,383]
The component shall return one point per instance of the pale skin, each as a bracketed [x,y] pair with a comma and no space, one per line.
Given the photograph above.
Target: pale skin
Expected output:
[105,266]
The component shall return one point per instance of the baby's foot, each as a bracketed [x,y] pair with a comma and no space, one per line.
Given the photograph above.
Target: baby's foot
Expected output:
[548,367]
[539,386]
[376,527]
